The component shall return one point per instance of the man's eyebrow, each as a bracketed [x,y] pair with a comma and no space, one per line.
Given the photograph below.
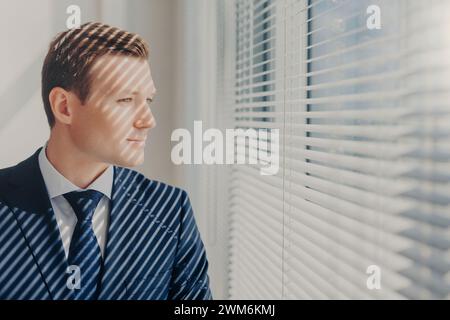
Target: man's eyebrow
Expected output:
[151,95]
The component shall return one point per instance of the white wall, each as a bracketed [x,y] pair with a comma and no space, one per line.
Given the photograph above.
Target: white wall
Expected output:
[196,99]
[25,31]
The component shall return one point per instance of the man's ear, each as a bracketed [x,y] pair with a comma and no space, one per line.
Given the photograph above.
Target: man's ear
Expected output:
[59,101]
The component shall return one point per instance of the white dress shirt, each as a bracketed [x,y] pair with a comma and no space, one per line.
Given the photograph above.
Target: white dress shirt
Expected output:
[57,185]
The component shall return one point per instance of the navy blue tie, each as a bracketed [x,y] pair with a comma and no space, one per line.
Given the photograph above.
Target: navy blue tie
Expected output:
[84,251]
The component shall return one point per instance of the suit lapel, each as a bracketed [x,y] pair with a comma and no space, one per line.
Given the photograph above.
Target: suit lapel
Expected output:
[118,248]
[31,205]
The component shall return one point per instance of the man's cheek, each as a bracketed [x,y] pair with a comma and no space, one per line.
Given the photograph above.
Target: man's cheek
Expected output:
[120,119]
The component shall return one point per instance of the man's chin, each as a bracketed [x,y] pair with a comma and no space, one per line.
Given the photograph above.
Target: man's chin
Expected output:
[131,160]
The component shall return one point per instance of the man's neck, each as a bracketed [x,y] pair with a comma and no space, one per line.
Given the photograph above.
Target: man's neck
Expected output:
[74,165]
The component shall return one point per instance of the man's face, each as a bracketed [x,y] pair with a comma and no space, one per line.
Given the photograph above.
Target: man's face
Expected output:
[113,124]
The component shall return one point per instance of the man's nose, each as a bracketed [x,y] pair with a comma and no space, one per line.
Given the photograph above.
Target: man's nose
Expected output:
[145,119]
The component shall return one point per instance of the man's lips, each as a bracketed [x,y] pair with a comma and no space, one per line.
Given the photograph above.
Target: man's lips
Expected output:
[137,142]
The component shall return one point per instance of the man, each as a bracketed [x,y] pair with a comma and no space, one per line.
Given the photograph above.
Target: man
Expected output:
[74,222]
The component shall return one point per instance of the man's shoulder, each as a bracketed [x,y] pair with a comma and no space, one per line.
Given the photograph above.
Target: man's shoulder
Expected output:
[126,177]
[5,174]
[5,171]
[23,168]
[152,195]
[5,183]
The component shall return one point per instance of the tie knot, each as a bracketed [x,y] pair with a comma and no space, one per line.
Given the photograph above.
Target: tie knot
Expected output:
[84,203]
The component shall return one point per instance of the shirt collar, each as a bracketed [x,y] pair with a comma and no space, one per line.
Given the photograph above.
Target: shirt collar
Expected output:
[58,185]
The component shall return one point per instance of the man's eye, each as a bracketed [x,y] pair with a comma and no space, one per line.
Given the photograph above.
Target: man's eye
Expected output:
[149,100]
[125,100]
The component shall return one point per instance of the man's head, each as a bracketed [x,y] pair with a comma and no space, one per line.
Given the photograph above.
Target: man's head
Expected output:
[96,89]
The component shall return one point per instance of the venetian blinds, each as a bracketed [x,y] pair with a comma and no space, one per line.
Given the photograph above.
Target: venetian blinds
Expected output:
[256,206]
[365,178]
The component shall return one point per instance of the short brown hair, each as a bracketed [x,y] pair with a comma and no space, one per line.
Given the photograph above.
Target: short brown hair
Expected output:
[72,53]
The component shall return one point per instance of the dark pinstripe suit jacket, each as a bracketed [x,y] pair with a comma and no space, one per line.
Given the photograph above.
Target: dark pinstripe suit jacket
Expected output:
[153,250]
